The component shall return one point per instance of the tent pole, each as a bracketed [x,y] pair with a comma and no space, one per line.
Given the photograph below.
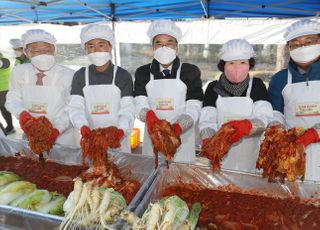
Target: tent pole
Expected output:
[116,48]
[95,10]
[204,9]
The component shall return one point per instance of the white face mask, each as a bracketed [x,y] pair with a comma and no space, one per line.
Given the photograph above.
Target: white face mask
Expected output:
[305,54]
[17,53]
[99,58]
[165,55]
[43,62]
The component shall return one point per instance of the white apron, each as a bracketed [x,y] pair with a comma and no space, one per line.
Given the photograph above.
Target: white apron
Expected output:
[167,98]
[302,109]
[242,155]
[103,105]
[49,101]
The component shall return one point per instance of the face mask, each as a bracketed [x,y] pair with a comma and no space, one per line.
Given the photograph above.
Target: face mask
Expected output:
[305,54]
[43,62]
[17,53]
[99,58]
[236,73]
[165,55]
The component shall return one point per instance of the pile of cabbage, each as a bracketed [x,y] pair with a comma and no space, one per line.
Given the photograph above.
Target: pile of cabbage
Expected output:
[16,192]
[170,212]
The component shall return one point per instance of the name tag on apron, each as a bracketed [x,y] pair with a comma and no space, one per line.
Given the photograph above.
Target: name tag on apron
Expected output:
[307,109]
[231,118]
[100,108]
[165,104]
[38,107]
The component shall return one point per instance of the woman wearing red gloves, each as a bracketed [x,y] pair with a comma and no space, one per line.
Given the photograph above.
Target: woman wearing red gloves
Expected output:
[241,101]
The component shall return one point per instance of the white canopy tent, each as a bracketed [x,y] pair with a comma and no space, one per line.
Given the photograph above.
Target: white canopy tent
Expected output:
[200,31]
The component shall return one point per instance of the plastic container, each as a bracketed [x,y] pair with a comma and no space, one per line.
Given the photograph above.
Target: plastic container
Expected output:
[135,138]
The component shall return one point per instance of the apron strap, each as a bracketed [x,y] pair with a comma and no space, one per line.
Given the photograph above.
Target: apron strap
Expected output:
[289,77]
[151,75]
[86,75]
[249,87]
[178,71]
[27,76]
[115,68]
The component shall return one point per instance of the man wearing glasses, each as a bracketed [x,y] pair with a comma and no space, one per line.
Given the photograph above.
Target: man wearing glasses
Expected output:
[169,89]
[295,91]
[42,87]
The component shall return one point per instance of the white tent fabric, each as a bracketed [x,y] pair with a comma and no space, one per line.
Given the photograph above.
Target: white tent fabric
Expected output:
[214,31]
[256,31]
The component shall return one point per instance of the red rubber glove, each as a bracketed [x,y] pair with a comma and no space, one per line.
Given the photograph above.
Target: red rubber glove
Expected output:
[151,119]
[85,131]
[24,116]
[308,137]
[54,134]
[242,127]
[177,129]
[119,134]
[205,141]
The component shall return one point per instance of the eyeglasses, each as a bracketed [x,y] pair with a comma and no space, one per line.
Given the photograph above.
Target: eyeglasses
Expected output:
[307,42]
[171,44]
[35,52]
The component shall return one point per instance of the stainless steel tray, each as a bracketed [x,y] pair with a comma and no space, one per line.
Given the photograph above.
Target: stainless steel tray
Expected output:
[203,176]
[138,167]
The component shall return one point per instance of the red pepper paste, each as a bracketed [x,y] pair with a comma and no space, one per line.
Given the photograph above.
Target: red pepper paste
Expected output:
[234,210]
[53,177]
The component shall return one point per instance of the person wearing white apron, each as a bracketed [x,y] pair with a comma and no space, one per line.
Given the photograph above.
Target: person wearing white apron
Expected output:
[42,87]
[169,90]
[295,91]
[101,92]
[17,47]
[239,100]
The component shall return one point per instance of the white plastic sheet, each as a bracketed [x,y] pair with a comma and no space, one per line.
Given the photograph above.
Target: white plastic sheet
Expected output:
[205,178]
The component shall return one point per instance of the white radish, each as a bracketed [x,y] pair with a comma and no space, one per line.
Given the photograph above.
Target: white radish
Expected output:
[129,217]
[75,213]
[95,199]
[77,188]
[176,212]
[118,203]
[74,197]
[170,213]
[104,207]
[84,211]
[154,216]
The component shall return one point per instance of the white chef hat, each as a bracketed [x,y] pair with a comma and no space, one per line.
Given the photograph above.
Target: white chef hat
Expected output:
[301,28]
[37,35]
[16,43]
[236,49]
[96,30]
[164,27]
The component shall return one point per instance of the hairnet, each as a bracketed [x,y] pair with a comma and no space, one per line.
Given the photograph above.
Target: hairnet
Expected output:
[301,28]
[96,30]
[164,27]
[37,35]
[16,43]
[236,49]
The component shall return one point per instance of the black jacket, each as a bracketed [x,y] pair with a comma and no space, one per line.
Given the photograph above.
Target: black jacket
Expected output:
[258,92]
[190,75]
